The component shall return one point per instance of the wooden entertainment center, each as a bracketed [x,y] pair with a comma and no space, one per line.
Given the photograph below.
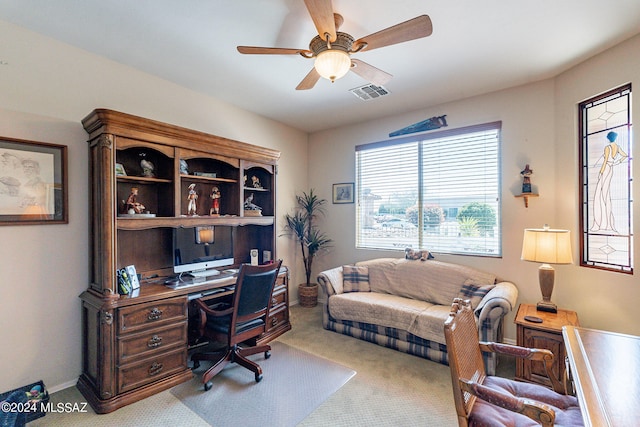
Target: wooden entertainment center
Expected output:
[136,345]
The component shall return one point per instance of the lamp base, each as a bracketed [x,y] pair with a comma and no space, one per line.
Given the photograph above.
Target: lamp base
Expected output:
[547,306]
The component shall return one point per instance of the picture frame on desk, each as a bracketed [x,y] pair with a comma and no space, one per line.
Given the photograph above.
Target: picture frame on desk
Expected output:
[33,182]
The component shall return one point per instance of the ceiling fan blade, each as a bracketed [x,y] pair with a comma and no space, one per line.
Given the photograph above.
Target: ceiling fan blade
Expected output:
[309,81]
[270,50]
[321,12]
[409,30]
[370,73]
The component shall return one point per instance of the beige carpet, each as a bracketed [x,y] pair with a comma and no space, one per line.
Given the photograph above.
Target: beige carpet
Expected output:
[294,384]
[390,388]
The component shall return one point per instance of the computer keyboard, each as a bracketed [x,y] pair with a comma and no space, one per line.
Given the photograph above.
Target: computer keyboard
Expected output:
[181,283]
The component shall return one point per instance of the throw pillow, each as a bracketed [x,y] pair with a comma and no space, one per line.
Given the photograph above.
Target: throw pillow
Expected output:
[355,278]
[474,292]
[421,255]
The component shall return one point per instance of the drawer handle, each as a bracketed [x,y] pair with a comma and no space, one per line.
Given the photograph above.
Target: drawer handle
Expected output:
[154,314]
[274,301]
[154,342]
[274,321]
[155,368]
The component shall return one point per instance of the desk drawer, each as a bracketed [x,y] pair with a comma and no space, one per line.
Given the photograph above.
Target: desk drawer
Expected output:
[142,316]
[277,318]
[137,374]
[278,298]
[151,342]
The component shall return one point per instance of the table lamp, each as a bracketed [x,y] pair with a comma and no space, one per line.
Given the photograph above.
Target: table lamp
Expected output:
[547,246]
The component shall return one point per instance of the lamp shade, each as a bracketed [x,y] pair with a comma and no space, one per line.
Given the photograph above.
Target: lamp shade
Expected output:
[332,64]
[547,246]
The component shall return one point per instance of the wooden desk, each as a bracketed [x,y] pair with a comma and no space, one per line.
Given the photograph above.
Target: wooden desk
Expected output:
[137,345]
[605,370]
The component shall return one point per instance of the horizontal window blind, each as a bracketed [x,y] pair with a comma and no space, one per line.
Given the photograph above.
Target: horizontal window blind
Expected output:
[439,191]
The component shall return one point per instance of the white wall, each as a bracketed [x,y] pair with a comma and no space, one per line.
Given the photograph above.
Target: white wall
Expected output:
[46,89]
[539,123]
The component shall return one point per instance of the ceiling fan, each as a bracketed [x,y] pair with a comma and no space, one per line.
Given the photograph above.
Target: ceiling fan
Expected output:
[332,49]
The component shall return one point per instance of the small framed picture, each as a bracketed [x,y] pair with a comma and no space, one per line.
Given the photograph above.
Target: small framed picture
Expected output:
[120,170]
[33,182]
[343,193]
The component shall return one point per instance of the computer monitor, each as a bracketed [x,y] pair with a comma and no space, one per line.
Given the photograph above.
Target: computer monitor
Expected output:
[199,251]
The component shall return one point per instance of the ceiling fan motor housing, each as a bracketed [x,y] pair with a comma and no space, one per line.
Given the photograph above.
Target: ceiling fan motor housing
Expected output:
[343,42]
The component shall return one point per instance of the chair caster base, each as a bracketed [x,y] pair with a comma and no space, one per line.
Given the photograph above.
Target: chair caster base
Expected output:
[267,354]
[208,385]
[258,378]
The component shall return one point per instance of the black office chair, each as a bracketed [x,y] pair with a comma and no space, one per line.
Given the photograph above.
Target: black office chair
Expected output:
[246,318]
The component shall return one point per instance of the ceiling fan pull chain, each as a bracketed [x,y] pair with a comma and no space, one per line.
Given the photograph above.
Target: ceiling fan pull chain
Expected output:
[328,37]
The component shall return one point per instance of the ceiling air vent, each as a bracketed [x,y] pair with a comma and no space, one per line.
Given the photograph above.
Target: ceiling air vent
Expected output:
[368,92]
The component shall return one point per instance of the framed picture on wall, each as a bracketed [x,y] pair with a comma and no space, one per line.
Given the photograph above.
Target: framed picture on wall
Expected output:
[33,182]
[343,193]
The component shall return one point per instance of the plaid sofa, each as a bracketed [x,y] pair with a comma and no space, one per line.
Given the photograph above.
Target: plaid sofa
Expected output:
[402,304]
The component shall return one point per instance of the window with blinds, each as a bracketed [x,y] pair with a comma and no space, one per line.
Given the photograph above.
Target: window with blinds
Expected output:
[438,191]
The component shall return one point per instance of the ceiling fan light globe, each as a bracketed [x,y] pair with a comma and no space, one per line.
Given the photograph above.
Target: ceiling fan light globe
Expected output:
[332,64]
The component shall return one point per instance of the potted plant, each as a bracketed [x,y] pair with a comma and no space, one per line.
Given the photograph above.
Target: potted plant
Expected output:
[301,226]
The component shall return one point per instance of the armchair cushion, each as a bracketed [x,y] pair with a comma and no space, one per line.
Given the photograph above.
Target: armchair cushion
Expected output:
[565,407]
[355,278]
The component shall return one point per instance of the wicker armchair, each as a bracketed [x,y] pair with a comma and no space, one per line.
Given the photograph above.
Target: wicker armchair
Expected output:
[494,401]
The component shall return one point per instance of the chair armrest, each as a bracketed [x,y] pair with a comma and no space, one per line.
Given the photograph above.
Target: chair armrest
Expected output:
[210,311]
[331,281]
[536,354]
[537,411]
[206,310]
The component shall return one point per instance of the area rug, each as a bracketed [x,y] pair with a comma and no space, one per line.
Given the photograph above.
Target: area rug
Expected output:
[294,384]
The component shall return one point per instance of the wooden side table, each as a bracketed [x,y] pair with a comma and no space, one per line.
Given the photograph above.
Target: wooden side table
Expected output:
[545,335]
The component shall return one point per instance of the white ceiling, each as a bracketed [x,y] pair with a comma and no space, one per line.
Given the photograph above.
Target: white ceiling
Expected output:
[477,46]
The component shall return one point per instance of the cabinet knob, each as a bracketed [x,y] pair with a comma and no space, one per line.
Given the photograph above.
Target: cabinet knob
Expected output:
[274,301]
[155,368]
[155,314]
[154,342]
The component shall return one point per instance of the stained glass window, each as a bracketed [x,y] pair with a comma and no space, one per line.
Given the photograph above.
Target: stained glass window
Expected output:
[606,175]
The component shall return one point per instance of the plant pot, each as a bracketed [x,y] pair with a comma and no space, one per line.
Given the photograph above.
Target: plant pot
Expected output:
[308,295]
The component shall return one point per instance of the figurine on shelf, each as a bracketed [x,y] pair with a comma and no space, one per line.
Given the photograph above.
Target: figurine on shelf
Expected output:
[526,180]
[250,206]
[215,201]
[131,205]
[184,167]
[255,182]
[192,197]
[147,167]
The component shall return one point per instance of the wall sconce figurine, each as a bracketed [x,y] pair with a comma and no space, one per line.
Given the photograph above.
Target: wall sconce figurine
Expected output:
[526,179]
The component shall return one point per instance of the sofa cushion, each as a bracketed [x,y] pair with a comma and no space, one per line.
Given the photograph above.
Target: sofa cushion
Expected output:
[355,278]
[376,308]
[429,324]
[433,281]
[474,292]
